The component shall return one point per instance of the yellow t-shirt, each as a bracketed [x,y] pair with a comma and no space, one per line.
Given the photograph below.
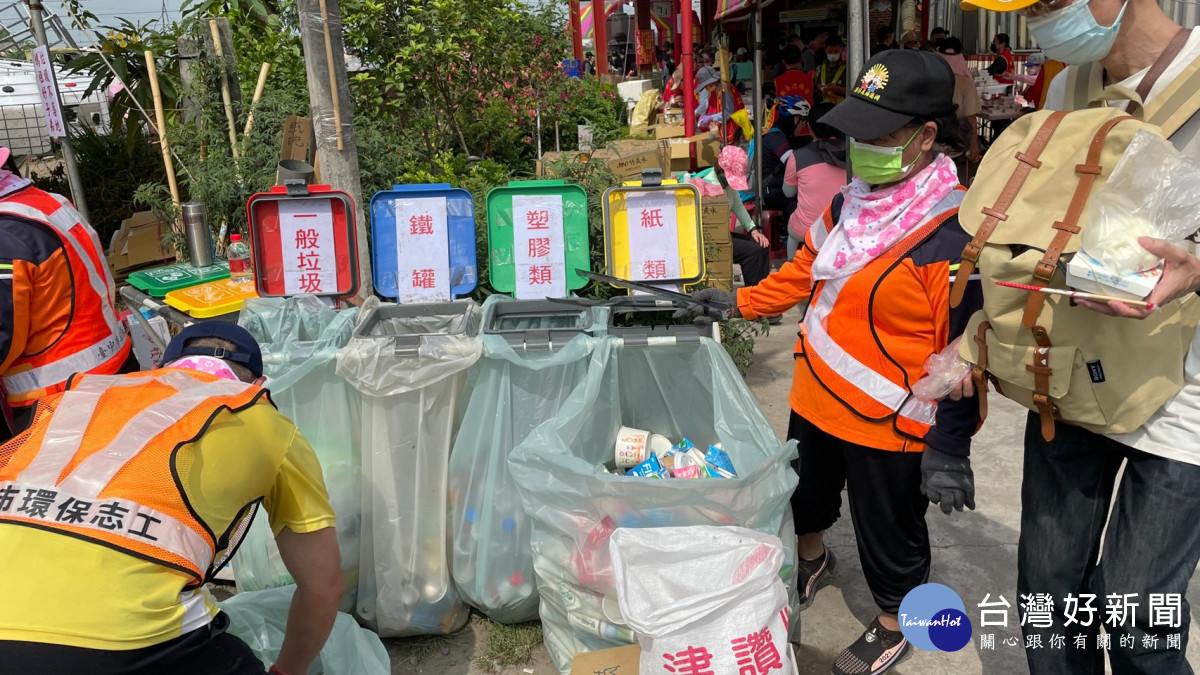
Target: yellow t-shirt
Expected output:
[58,589]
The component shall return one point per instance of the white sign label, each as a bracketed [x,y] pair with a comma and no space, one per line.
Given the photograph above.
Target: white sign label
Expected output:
[44,70]
[306,233]
[653,236]
[538,249]
[422,250]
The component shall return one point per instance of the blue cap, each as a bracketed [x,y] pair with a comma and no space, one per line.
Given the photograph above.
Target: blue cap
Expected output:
[245,353]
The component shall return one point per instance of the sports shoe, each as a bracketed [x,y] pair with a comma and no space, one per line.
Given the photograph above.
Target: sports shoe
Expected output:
[877,650]
[809,572]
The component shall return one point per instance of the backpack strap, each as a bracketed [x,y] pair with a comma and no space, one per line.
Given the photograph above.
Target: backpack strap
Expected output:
[1160,64]
[1027,161]
[1047,411]
[1172,108]
[1069,226]
[1085,86]
[979,370]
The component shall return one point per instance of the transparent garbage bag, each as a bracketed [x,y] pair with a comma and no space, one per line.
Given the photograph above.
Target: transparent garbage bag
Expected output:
[299,338]
[410,364]
[1154,191]
[678,390]
[259,618]
[511,393]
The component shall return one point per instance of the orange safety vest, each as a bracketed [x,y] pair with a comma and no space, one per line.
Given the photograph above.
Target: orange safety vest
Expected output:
[860,369]
[94,341]
[104,470]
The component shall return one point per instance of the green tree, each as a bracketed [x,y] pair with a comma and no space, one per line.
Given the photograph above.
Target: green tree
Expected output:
[467,76]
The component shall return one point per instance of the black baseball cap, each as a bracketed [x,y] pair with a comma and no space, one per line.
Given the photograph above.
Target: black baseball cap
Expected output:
[894,87]
[245,353]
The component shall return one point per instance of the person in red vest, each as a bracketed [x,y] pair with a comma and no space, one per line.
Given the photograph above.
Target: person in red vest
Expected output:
[1003,67]
[57,297]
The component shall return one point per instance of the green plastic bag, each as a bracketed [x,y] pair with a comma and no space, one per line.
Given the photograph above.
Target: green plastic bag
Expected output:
[259,618]
[511,393]
[677,389]
[299,338]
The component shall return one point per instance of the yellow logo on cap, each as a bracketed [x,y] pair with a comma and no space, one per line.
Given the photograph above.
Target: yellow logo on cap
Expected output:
[873,82]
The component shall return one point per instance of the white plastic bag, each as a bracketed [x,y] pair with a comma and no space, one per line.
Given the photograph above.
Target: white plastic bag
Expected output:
[943,370]
[1154,191]
[708,598]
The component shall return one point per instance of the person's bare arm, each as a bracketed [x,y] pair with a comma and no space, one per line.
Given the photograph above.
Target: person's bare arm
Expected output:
[314,562]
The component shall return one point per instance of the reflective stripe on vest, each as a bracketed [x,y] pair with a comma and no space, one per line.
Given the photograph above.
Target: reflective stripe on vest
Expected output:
[40,494]
[64,220]
[894,396]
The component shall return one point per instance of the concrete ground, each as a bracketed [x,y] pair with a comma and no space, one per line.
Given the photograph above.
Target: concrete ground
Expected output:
[974,552]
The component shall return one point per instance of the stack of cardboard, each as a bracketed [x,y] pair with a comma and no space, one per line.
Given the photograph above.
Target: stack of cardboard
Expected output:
[627,159]
[137,243]
[718,246]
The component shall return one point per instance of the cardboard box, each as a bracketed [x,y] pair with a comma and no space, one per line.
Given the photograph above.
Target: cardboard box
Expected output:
[665,131]
[715,212]
[138,242]
[707,149]
[615,661]
[627,158]
[1087,274]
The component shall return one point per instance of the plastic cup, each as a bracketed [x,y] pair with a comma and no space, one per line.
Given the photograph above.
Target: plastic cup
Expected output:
[632,447]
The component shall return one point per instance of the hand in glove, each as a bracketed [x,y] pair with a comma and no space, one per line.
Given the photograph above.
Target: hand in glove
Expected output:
[705,120]
[947,480]
[702,313]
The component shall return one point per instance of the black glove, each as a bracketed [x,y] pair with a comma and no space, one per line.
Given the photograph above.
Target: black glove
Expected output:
[947,480]
[701,310]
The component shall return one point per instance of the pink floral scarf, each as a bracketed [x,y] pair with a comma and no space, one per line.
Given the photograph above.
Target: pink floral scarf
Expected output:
[872,222]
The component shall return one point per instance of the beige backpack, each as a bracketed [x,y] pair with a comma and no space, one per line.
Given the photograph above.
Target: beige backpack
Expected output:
[1025,212]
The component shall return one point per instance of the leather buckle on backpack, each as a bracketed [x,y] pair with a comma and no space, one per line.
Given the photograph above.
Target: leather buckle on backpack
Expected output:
[971,252]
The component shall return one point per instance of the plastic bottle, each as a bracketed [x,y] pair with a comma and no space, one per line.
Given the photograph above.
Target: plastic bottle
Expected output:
[238,255]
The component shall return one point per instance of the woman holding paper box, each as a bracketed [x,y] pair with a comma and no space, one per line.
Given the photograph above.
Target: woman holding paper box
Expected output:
[878,267]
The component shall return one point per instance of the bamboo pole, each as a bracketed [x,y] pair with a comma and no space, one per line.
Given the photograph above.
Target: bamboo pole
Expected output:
[258,92]
[333,88]
[161,124]
[225,96]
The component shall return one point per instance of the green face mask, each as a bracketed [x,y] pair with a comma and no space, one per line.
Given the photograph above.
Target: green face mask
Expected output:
[879,165]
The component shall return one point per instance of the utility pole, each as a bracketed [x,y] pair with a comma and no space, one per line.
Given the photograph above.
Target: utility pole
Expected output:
[328,85]
[39,32]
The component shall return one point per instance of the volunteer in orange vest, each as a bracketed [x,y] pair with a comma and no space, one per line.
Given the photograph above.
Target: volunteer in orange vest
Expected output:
[129,492]
[57,310]
[878,269]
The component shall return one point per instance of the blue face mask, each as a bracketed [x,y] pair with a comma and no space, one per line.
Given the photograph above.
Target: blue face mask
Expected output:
[1071,34]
